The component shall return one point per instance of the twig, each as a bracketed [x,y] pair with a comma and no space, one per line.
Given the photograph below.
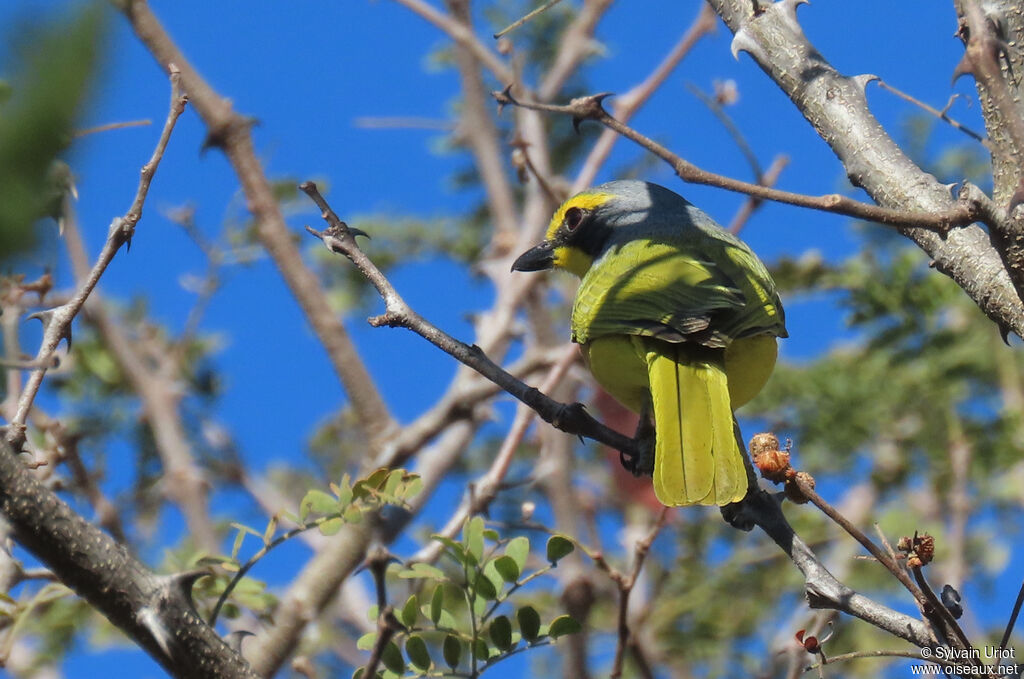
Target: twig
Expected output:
[230,131]
[479,130]
[629,103]
[933,610]
[387,624]
[915,655]
[260,553]
[1013,619]
[822,588]
[941,115]
[522,20]
[981,54]
[936,606]
[625,584]
[857,534]
[837,108]
[57,322]
[574,45]
[462,35]
[111,126]
[572,419]
[737,136]
[590,108]
[486,487]
[751,204]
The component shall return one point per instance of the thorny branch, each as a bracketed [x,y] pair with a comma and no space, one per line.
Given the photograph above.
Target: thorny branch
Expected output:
[57,322]
[570,418]
[836,106]
[591,108]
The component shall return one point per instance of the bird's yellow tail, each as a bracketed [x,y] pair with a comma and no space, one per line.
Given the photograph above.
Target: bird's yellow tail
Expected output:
[696,457]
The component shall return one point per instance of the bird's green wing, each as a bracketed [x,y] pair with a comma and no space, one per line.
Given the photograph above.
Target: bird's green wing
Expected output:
[665,290]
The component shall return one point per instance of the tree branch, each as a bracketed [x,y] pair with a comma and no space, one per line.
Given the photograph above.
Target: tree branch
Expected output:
[229,131]
[154,611]
[57,322]
[837,109]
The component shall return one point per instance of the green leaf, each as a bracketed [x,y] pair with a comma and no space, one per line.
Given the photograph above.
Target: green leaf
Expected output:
[410,611]
[377,478]
[492,535]
[367,641]
[480,649]
[344,494]
[394,480]
[392,658]
[437,603]
[416,649]
[484,587]
[352,514]
[563,625]
[456,550]
[317,502]
[529,623]
[494,576]
[413,487]
[507,568]
[239,537]
[558,547]
[473,538]
[422,570]
[518,549]
[452,650]
[501,632]
[331,526]
[268,533]
[358,674]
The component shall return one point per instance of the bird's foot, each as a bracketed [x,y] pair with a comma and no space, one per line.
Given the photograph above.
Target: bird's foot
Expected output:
[640,460]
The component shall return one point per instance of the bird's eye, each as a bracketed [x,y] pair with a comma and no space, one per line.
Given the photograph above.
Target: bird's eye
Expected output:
[573,218]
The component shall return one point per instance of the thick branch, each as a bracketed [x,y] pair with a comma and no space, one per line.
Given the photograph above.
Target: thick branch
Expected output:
[154,611]
[837,109]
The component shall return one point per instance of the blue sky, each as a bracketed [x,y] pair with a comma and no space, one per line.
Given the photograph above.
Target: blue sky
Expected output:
[308,70]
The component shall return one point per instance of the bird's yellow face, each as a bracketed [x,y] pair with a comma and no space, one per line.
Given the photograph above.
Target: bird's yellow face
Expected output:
[573,237]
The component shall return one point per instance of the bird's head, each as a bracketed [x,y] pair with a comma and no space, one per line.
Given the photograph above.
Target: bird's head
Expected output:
[584,226]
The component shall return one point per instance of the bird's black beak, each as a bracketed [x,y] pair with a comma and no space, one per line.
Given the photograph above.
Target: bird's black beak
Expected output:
[536,258]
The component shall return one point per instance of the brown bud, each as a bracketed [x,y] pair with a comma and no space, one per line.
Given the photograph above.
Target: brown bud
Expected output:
[925,548]
[773,465]
[920,549]
[760,443]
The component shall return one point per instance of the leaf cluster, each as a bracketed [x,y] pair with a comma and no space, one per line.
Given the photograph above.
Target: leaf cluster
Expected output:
[452,623]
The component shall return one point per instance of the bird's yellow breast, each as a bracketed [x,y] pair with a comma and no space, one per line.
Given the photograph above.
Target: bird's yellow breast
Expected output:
[620,367]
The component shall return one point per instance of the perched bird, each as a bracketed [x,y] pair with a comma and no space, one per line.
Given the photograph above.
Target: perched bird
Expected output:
[676,318]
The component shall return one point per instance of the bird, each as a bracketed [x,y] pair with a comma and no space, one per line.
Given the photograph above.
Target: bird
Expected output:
[676,318]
